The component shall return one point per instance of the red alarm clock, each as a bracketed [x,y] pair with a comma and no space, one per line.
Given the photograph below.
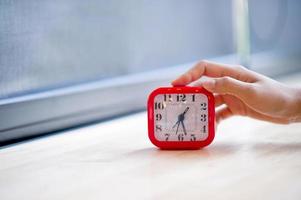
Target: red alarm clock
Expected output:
[181,117]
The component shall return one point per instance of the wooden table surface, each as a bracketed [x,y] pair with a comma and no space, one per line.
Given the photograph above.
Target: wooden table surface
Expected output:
[115,160]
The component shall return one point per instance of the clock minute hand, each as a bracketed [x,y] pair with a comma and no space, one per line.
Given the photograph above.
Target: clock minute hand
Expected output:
[177,128]
[183,126]
[181,119]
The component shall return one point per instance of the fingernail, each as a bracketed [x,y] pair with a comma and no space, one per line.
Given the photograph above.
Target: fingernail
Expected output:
[209,84]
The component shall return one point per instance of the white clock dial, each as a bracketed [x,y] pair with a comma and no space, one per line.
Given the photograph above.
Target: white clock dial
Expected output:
[181,117]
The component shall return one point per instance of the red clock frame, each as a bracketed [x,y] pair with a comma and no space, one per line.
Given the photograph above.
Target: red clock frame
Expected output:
[184,144]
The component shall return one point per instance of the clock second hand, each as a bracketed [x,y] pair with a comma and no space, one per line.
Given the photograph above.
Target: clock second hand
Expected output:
[177,123]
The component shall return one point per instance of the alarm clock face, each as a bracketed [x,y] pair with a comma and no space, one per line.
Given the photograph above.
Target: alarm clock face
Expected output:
[181,117]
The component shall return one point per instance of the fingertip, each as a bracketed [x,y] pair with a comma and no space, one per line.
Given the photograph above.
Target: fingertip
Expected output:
[181,81]
[222,114]
[219,101]
[175,82]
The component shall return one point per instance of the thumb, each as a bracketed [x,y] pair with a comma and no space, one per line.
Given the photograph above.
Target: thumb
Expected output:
[228,85]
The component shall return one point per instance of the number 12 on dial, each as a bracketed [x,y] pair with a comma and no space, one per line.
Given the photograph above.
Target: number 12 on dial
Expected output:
[181,117]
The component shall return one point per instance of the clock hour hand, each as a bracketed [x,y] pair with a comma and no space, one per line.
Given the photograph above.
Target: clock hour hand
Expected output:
[185,111]
[181,116]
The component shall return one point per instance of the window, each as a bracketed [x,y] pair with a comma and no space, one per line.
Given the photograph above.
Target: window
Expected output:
[67,63]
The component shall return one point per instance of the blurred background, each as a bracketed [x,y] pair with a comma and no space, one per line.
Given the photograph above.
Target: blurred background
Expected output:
[49,46]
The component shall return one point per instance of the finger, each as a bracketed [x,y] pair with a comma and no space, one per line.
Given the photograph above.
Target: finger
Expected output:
[222,114]
[211,69]
[228,85]
[218,100]
[225,113]
[262,117]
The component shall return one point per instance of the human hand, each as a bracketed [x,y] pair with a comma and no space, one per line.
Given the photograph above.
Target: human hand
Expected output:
[239,91]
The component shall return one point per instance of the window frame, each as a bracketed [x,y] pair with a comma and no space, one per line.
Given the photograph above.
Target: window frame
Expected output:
[50,111]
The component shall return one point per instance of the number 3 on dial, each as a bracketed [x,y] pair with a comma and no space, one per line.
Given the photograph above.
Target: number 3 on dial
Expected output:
[181,117]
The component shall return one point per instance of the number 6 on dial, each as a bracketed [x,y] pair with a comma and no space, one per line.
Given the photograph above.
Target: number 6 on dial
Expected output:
[181,117]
